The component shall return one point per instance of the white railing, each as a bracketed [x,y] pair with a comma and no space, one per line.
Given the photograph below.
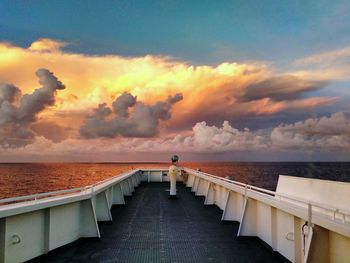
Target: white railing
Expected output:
[88,188]
[88,205]
[314,208]
[41,195]
[333,213]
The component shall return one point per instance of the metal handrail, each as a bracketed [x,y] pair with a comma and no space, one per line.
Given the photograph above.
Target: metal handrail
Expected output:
[42,195]
[242,186]
[58,192]
[252,188]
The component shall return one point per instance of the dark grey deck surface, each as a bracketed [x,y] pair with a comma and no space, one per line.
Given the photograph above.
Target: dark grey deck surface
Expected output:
[151,228]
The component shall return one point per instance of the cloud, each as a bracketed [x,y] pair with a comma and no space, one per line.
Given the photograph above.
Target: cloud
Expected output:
[211,93]
[32,104]
[322,133]
[324,58]
[50,130]
[143,122]
[280,88]
[8,93]
[221,139]
[313,136]
[132,114]
[16,114]
[47,45]
[201,139]
[329,65]
[121,104]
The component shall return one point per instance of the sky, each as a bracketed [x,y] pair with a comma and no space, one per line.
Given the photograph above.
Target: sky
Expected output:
[142,80]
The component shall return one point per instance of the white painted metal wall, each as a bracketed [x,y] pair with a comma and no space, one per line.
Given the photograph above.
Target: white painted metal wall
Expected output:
[277,218]
[37,224]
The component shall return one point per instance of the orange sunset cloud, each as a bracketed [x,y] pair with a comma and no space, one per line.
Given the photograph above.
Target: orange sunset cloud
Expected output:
[227,91]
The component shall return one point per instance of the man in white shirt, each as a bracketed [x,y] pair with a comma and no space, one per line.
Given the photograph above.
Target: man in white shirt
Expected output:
[174,171]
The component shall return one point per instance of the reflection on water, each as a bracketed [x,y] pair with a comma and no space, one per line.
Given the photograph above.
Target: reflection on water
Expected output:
[31,178]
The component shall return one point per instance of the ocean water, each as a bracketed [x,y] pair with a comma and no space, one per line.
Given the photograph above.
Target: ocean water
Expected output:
[17,179]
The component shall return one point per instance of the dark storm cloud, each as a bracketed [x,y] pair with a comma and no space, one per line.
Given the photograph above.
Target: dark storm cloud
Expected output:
[17,115]
[280,88]
[143,122]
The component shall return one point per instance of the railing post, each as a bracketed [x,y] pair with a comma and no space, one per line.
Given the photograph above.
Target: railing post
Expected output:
[334,214]
[309,216]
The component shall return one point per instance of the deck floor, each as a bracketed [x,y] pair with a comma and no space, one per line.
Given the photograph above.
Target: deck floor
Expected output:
[151,228]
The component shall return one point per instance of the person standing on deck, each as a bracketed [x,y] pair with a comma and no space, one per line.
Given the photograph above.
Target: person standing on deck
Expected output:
[174,171]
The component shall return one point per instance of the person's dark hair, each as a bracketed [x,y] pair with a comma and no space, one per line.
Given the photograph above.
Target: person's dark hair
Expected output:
[174,159]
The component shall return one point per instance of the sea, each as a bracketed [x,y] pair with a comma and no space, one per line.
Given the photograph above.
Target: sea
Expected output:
[18,179]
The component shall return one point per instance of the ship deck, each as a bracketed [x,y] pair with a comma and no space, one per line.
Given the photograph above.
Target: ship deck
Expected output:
[152,228]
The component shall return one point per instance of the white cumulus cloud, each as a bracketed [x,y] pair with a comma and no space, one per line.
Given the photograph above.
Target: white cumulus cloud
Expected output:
[321,133]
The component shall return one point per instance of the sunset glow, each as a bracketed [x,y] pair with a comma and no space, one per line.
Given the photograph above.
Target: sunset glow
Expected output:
[230,105]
